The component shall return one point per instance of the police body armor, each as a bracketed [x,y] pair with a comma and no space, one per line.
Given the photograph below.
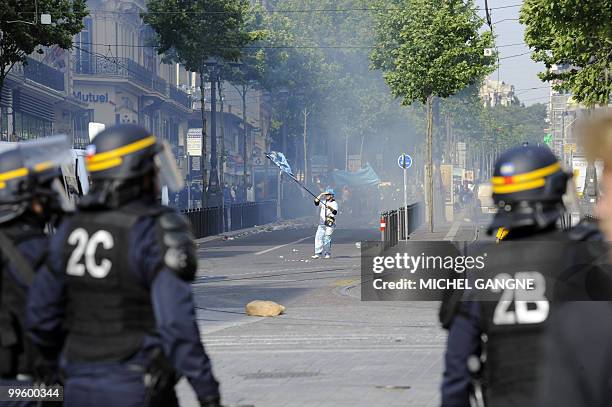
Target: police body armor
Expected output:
[17,354]
[513,324]
[109,311]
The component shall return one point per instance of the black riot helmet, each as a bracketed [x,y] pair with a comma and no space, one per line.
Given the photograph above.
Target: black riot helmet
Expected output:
[528,188]
[120,158]
[32,171]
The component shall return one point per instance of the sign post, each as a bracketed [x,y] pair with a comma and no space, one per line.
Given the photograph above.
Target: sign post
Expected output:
[194,157]
[405,162]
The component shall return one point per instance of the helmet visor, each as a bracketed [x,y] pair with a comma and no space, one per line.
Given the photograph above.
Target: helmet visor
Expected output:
[45,153]
[169,174]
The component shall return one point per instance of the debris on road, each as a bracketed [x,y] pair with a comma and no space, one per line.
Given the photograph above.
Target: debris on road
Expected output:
[260,308]
[358,245]
[390,387]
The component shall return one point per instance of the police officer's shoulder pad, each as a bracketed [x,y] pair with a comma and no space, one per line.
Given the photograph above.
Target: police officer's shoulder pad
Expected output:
[173,221]
[177,241]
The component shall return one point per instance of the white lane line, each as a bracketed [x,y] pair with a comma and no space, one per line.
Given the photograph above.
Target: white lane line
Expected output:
[282,245]
[370,349]
[453,231]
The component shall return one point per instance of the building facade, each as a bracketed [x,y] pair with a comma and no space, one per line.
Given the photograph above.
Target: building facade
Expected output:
[497,93]
[114,75]
[37,99]
[120,78]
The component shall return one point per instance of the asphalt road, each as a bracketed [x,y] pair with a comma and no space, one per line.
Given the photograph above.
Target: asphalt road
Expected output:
[329,348]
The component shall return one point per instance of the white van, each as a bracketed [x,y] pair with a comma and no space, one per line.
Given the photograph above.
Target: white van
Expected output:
[484,195]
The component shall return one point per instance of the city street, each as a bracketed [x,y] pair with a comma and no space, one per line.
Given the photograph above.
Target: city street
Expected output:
[329,348]
[132,130]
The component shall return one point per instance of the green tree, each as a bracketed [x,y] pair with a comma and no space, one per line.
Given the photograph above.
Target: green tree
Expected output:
[192,33]
[272,61]
[21,31]
[344,100]
[427,49]
[575,35]
[294,70]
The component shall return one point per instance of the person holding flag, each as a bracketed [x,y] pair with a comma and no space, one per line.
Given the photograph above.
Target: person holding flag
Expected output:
[327,223]
[329,207]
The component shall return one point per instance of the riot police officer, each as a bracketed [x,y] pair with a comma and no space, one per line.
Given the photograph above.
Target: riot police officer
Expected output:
[500,336]
[578,370]
[31,196]
[117,296]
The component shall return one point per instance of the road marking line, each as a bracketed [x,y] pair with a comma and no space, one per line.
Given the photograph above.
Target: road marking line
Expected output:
[453,231]
[282,245]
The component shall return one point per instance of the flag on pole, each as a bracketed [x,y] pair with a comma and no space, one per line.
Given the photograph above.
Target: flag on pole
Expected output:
[280,161]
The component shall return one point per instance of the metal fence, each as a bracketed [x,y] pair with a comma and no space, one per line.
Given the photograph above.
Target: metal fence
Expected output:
[209,221]
[204,222]
[180,97]
[394,229]
[121,67]
[247,215]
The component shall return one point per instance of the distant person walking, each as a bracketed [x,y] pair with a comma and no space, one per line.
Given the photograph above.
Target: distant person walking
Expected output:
[327,223]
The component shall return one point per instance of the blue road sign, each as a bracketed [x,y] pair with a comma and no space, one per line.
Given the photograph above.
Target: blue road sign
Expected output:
[404,161]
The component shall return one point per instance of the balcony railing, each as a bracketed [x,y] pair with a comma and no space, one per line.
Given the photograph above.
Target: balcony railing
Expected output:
[41,73]
[180,97]
[121,67]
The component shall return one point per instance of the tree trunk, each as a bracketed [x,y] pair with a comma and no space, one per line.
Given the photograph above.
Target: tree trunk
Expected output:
[361,150]
[222,129]
[346,151]
[204,152]
[449,142]
[245,156]
[430,168]
[306,180]
[222,153]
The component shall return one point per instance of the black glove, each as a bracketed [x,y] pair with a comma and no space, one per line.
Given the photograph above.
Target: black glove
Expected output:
[212,401]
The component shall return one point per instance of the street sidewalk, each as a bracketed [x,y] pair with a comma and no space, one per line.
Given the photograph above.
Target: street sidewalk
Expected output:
[462,229]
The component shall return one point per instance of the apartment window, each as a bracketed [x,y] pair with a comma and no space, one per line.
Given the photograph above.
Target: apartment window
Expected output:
[83,41]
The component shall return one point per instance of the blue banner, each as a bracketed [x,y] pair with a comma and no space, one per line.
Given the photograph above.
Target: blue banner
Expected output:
[280,161]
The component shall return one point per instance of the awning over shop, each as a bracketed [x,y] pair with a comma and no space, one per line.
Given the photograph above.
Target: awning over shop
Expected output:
[361,178]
